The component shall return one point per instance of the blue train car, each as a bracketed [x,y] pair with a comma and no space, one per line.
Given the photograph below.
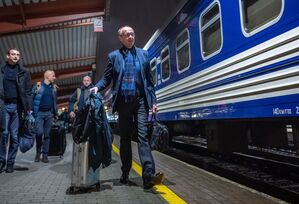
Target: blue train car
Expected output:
[229,66]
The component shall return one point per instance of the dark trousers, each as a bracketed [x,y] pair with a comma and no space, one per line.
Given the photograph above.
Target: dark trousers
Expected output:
[131,115]
[10,133]
[43,124]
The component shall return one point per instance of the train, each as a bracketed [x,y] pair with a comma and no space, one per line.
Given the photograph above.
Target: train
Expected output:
[228,71]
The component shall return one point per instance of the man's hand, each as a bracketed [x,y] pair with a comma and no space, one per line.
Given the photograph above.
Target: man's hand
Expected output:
[72,115]
[29,112]
[30,120]
[155,108]
[94,90]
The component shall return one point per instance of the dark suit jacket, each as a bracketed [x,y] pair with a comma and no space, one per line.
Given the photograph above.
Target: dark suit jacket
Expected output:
[114,73]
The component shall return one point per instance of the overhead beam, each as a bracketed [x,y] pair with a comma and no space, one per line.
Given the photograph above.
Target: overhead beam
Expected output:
[65,76]
[68,91]
[60,61]
[69,86]
[64,72]
[62,105]
[22,14]
[61,76]
[65,97]
[52,8]
[46,24]
[62,100]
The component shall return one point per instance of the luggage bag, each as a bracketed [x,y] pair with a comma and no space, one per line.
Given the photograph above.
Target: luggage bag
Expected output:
[84,178]
[57,141]
[158,134]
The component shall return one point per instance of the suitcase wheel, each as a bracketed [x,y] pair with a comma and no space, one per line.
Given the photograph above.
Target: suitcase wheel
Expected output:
[70,190]
[80,190]
[97,187]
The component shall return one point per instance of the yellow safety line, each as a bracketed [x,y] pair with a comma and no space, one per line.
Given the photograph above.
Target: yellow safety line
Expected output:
[164,191]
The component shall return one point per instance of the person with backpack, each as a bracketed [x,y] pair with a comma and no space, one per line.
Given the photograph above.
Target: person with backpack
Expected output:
[79,98]
[133,95]
[15,98]
[44,110]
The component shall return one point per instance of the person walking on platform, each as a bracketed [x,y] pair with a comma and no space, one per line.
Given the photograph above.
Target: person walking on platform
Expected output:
[44,109]
[15,97]
[80,96]
[133,96]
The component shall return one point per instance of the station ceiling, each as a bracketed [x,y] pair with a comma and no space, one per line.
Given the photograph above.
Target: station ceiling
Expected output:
[59,34]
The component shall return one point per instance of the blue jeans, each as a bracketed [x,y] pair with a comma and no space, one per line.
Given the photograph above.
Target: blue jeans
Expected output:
[135,115]
[43,122]
[11,133]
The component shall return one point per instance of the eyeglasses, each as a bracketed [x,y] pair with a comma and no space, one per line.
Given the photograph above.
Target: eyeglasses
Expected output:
[128,34]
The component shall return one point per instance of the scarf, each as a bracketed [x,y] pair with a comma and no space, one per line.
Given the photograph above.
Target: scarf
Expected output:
[128,85]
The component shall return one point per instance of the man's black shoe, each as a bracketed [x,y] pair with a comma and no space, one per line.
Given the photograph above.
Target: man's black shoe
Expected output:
[9,169]
[37,158]
[45,159]
[2,165]
[156,179]
[124,179]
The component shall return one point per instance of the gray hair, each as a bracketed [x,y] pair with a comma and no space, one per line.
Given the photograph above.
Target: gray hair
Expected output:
[120,30]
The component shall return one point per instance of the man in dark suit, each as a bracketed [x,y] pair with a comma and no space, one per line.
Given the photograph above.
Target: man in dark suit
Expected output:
[133,95]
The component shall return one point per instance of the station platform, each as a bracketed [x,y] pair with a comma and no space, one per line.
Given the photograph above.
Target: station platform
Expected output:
[47,183]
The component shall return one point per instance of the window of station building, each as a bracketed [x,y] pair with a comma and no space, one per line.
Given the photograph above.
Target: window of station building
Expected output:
[165,64]
[210,31]
[257,15]
[153,65]
[183,51]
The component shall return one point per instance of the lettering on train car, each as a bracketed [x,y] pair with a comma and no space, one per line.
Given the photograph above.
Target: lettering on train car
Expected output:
[278,111]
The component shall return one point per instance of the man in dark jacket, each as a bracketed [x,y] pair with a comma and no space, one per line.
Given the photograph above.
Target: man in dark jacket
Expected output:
[15,97]
[133,95]
[44,110]
[80,96]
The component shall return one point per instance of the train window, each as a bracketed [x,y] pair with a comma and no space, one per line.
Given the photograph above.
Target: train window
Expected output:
[256,15]
[153,65]
[165,64]
[210,31]
[183,51]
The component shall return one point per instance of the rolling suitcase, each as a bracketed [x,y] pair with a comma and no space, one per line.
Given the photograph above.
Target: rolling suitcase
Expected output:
[57,141]
[83,178]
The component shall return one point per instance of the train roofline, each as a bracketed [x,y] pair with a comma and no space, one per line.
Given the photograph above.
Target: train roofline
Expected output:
[162,28]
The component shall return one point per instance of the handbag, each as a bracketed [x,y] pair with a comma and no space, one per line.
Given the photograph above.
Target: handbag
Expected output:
[158,134]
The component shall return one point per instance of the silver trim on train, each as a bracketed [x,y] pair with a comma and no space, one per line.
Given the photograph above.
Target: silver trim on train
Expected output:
[282,47]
